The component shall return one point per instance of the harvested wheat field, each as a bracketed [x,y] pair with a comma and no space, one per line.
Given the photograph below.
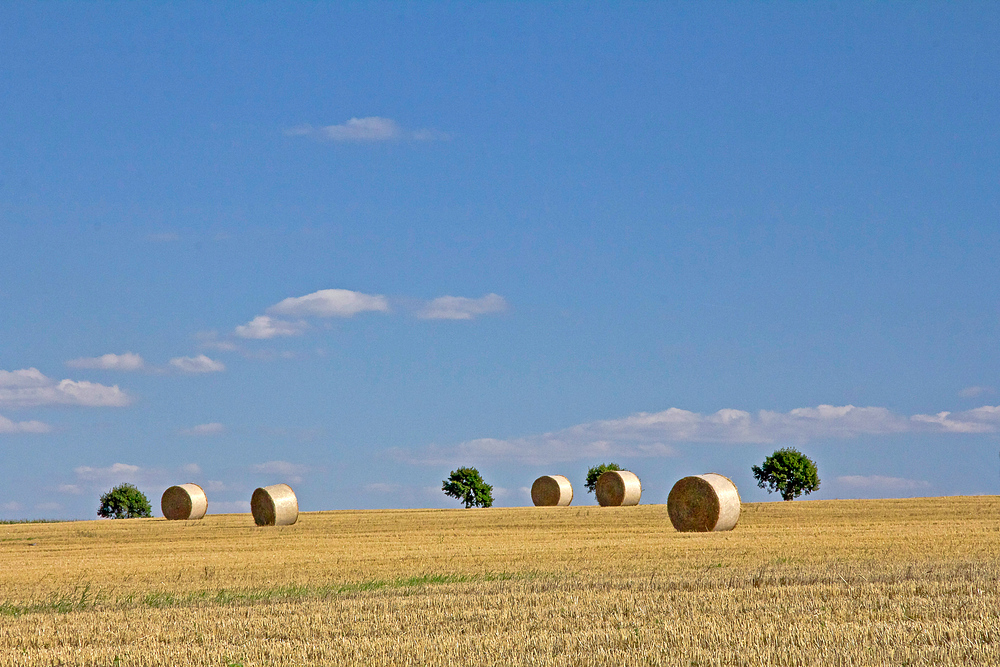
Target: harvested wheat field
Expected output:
[806,583]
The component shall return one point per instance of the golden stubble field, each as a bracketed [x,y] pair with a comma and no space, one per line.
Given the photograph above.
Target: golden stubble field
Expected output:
[806,583]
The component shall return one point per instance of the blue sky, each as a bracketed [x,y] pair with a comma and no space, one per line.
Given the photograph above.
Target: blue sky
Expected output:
[352,247]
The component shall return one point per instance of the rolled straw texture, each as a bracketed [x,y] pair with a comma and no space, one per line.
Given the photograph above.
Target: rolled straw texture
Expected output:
[703,503]
[618,488]
[551,491]
[274,505]
[184,502]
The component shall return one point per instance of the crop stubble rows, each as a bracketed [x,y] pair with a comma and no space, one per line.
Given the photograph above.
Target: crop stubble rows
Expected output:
[805,583]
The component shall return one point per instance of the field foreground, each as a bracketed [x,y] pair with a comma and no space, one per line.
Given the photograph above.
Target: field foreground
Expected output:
[805,583]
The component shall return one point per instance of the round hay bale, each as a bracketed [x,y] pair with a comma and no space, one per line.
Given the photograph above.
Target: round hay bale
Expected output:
[184,502]
[551,491]
[274,505]
[618,488]
[702,503]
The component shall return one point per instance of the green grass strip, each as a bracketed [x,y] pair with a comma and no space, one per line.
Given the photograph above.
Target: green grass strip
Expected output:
[82,599]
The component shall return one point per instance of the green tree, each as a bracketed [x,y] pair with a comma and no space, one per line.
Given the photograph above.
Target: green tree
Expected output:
[124,502]
[467,485]
[596,472]
[789,472]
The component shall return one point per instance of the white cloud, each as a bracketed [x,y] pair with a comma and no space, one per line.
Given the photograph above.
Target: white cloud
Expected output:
[368,129]
[12,506]
[262,327]
[8,426]
[30,388]
[462,308]
[205,429]
[880,483]
[330,303]
[191,469]
[324,303]
[113,362]
[961,423]
[215,485]
[972,392]
[371,128]
[199,364]
[651,434]
[122,471]
[383,488]
[73,489]
[519,494]
[210,340]
[291,471]
[220,345]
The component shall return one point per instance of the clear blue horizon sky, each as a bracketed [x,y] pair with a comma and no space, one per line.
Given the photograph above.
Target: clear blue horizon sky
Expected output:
[351,247]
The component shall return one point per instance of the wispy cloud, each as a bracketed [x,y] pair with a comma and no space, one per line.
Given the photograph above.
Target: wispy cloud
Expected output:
[112,362]
[324,303]
[462,308]
[972,392]
[289,317]
[122,472]
[263,327]
[199,364]
[8,426]
[653,434]
[880,483]
[370,129]
[214,428]
[30,388]
[330,303]
[291,472]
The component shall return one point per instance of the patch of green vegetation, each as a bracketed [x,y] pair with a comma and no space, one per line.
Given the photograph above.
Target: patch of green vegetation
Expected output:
[81,597]
[11,522]
[78,600]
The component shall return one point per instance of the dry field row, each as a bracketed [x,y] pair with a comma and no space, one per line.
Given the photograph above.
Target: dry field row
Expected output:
[804,583]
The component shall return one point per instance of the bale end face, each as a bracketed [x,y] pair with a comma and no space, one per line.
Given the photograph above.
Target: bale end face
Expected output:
[618,488]
[184,502]
[274,505]
[704,503]
[551,491]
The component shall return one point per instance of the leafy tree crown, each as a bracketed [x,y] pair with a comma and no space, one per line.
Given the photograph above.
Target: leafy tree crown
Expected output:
[789,472]
[124,502]
[467,485]
[596,472]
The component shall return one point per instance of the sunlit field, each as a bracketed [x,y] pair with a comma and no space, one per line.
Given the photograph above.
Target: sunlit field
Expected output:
[804,583]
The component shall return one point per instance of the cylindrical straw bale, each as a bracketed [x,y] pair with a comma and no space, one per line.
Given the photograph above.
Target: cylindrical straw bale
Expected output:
[551,491]
[185,501]
[274,505]
[618,488]
[702,503]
